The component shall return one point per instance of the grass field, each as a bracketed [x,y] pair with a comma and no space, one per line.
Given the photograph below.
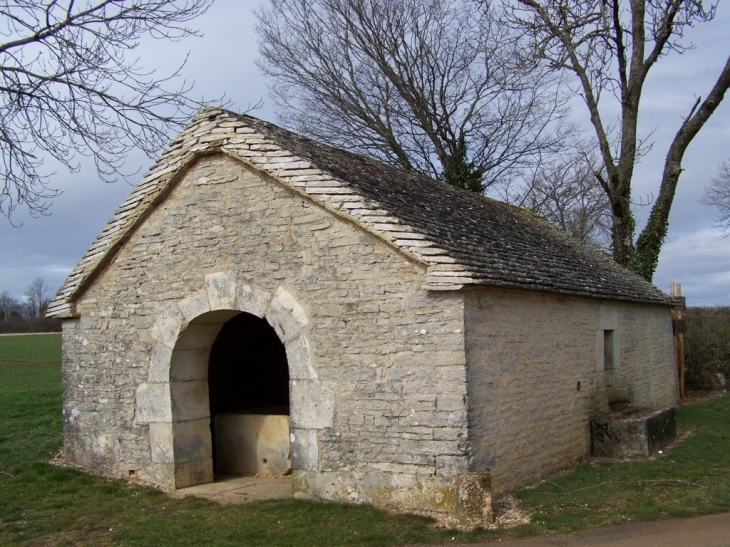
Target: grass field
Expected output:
[41,504]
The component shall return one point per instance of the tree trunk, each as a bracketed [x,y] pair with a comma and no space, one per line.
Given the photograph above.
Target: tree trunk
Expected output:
[623,228]
[649,244]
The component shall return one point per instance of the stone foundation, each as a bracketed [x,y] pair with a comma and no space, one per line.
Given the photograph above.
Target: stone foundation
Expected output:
[463,500]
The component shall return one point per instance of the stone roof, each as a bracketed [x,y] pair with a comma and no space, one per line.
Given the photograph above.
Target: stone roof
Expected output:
[462,238]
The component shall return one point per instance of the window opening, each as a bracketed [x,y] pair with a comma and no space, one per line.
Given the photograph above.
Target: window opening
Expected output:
[609,362]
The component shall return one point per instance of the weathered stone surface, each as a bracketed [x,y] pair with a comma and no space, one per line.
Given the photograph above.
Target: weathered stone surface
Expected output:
[188,364]
[215,318]
[160,363]
[252,300]
[161,443]
[312,403]
[286,315]
[304,449]
[474,499]
[632,433]
[399,396]
[298,354]
[661,429]
[192,441]
[533,382]
[197,336]
[252,443]
[462,500]
[167,326]
[221,289]
[153,403]
[196,305]
[162,474]
[189,400]
[192,473]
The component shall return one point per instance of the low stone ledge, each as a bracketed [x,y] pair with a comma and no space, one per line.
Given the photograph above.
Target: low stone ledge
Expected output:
[632,432]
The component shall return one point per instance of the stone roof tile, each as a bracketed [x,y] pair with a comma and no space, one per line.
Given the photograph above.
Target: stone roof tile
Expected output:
[499,244]
[462,237]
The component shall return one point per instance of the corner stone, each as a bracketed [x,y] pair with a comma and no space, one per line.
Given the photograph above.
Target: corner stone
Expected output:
[168,325]
[194,306]
[252,300]
[299,357]
[313,403]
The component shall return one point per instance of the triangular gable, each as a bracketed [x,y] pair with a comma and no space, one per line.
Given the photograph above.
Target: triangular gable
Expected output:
[215,130]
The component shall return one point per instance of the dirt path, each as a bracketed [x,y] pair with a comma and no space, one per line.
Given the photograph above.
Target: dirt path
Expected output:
[705,531]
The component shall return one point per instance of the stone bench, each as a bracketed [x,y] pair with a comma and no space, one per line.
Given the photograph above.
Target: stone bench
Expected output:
[252,442]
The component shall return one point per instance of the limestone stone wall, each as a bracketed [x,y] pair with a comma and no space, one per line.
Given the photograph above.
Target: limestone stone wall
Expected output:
[535,373]
[390,355]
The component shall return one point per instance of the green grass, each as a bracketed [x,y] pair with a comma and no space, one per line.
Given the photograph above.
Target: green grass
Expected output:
[48,505]
[691,479]
[30,402]
[41,504]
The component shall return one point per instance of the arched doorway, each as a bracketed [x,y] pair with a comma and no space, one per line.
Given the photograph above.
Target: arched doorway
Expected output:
[248,385]
[174,402]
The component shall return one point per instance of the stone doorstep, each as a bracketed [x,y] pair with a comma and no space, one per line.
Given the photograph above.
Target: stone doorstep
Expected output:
[233,490]
[632,432]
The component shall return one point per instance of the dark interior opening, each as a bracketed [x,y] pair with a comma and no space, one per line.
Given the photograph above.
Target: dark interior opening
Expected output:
[247,370]
[247,367]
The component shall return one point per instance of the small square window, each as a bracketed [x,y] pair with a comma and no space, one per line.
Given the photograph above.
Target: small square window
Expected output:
[609,359]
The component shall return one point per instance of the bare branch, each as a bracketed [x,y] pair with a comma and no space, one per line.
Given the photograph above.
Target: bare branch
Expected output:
[441,87]
[37,297]
[650,241]
[69,88]
[718,195]
[604,44]
[564,192]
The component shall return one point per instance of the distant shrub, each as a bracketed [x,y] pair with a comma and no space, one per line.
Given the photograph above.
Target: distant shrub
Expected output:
[707,348]
[15,325]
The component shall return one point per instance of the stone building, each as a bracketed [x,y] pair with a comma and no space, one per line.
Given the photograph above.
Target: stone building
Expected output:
[264,303]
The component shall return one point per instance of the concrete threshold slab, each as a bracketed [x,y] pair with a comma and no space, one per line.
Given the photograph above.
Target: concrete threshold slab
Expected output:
[232,490]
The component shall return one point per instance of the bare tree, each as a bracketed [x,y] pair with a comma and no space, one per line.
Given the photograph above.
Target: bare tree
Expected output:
[439,87]
[37,297]
[9,307]
[609,46]
[565,193]
[69,87]
[718,195]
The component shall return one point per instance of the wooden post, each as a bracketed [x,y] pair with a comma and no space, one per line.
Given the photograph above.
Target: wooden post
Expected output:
[680,338]
[675,289]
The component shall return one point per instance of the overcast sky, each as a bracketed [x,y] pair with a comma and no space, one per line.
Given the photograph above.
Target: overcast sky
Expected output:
[222,62]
